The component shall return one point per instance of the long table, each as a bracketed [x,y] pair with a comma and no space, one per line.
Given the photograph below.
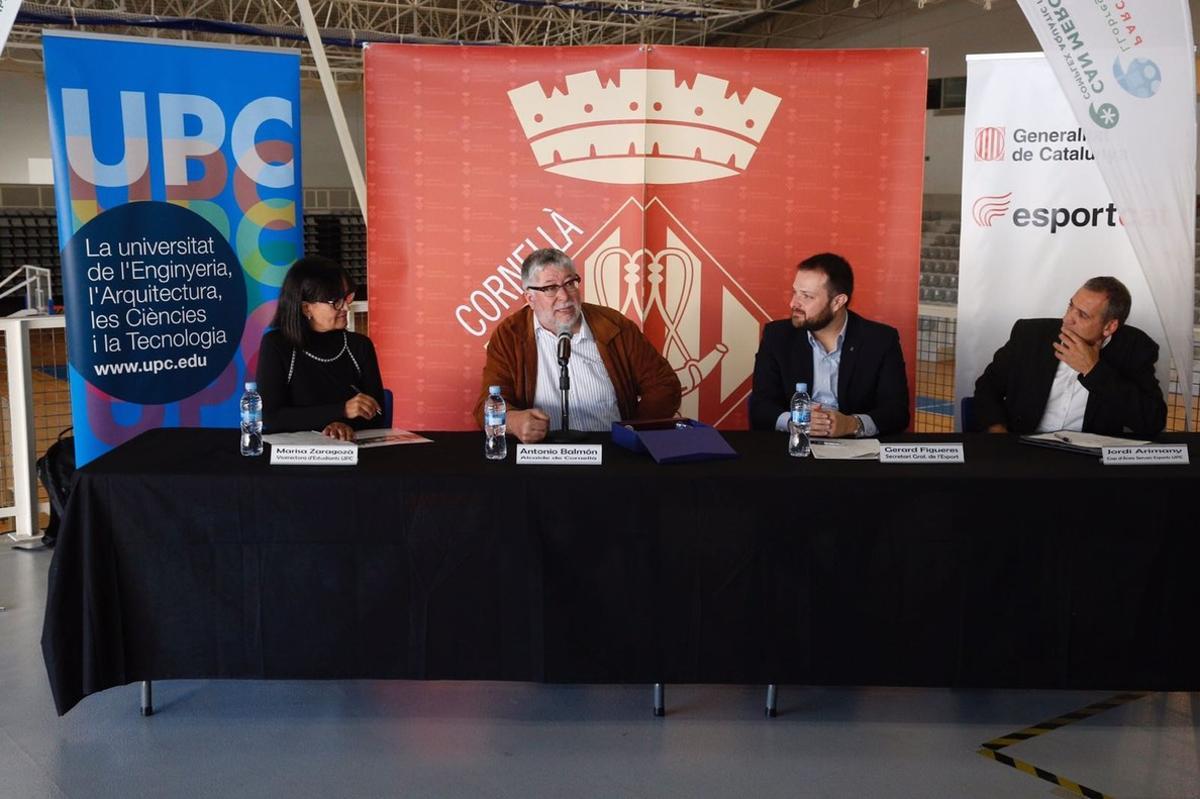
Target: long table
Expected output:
[1023,567]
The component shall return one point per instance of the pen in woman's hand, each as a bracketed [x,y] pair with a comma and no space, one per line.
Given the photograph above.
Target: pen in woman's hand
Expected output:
[358,390]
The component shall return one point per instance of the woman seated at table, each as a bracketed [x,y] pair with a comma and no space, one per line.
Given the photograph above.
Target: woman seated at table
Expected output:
[313,374]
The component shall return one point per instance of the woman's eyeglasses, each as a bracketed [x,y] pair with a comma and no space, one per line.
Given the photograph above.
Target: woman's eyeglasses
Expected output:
[341,303]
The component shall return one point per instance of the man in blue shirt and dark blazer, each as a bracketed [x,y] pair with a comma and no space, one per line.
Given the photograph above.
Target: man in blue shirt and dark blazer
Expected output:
[854,367]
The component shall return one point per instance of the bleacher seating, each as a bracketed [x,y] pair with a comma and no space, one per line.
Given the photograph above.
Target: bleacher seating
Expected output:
[939,259]
[342,237]
[30,236]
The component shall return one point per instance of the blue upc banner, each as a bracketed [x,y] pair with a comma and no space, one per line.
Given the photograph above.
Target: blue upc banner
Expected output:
[177,183]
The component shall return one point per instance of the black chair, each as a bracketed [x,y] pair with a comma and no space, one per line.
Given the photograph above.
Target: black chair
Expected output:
[387,407]
[966,415]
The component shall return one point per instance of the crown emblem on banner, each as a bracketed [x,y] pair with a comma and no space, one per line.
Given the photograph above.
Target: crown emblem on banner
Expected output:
[644,127]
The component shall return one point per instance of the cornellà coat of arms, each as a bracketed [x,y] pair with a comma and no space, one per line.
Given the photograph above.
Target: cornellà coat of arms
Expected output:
[648,129]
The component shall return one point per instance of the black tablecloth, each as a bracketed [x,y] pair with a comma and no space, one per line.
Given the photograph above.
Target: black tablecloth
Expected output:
[1023,567]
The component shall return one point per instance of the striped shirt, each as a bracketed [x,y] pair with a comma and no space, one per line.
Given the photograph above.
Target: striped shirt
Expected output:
[593,399]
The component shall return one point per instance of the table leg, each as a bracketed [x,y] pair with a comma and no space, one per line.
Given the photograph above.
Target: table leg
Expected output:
[659,691]
[147,699]
[772,698]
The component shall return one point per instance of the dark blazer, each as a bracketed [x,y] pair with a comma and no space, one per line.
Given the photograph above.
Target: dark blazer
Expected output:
[871,377]
[1123,392]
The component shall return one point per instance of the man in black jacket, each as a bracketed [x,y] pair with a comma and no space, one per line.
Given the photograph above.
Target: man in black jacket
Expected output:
[1088,371]
[853,367]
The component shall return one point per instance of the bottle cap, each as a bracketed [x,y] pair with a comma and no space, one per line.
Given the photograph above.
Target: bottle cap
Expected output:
[802,387]
[251,386]
[493,389]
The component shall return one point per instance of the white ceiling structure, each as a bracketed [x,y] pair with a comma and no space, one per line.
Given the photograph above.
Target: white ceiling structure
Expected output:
[346,24]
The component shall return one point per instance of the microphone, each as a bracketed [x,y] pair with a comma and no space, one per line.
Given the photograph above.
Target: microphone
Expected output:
[564,435]
[564,345]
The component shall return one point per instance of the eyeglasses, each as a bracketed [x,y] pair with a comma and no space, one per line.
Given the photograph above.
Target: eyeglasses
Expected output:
[571,284]
[341,302]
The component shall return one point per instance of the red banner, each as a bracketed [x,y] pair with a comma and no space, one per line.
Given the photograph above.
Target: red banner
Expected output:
[686,183]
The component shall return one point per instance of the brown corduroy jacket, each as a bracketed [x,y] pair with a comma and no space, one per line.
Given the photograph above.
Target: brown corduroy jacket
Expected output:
[645,385]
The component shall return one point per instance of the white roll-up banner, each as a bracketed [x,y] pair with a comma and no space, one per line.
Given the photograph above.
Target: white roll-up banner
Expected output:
[1128,70]
[8,15]
[1037,219]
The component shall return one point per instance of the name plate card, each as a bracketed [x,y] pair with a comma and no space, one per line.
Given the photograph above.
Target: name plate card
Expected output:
[314,455]
[560,454]
[921,453]
[1149,455]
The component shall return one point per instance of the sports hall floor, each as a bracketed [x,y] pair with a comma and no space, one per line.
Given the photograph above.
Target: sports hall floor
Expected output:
[446,739]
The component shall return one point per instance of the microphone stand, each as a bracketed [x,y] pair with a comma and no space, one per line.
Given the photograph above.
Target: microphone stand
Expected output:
[565,435]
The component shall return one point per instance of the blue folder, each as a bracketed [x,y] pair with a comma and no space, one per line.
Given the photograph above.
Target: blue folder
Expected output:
[672,440]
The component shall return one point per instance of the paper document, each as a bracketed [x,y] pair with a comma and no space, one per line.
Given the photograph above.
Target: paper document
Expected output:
[1081,442]
[388,437]
[305,438]
[364,438]
[845,449]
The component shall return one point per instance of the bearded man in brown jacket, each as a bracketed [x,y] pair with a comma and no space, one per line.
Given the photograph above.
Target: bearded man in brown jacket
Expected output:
[616,373]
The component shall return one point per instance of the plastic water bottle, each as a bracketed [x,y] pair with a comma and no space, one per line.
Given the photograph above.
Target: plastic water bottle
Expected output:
[800,424]
[495,425]
[252,443]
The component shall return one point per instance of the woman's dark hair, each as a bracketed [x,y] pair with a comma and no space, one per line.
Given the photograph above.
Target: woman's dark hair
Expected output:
[311,279]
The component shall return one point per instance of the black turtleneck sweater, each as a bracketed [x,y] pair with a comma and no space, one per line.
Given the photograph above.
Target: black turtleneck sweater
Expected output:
[317,392]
